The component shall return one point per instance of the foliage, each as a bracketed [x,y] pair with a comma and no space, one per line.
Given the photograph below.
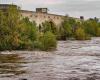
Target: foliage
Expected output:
[20,33]
[80,34]
[98,32]
[91,27]
[16,33]
[48,41]
[49,26]
[78,29]
[61,34]
[66,28]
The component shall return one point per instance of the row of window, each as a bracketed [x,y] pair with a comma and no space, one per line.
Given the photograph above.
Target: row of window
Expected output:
[55,17]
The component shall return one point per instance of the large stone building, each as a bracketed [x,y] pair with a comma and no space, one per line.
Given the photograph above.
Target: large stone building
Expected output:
[42,15]
[39,16]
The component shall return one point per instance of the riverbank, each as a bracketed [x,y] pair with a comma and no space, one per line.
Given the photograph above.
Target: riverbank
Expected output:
[69,47]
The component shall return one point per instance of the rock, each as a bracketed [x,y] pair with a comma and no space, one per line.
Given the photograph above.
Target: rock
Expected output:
[74,78]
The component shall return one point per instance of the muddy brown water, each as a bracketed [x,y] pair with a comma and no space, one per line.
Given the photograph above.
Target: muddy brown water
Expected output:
[79,59]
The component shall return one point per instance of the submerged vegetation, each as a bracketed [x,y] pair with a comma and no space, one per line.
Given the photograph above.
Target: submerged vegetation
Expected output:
[20,33]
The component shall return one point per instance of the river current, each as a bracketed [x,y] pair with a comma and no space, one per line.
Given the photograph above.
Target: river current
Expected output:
[71,59]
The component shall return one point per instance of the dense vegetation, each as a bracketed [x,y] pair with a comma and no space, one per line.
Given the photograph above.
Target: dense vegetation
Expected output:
[79,29]
[20,33]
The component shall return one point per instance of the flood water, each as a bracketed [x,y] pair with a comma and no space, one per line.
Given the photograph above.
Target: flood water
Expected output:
[79,59]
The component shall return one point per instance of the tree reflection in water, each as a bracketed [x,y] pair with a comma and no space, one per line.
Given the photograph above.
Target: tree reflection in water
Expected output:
[11,64]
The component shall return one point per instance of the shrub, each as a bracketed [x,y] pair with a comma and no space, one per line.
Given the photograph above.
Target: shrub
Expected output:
[98,32]
[48,41]
[61,34]
[37,44]
[80,34]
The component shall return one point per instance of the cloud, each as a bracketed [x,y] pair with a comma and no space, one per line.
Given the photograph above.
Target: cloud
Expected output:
[41,1]
[88,8]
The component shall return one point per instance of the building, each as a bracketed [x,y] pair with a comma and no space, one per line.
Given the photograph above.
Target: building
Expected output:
[4,7]
[41,10]
[39,16]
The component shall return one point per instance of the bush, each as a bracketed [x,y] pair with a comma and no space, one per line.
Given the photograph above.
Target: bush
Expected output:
[98,32]
[80,34]
[48,41]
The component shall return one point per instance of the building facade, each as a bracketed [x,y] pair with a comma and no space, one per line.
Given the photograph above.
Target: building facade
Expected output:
[41,15]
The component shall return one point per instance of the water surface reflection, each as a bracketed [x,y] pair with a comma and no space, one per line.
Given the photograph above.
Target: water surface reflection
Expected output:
[80,59]
[10,65]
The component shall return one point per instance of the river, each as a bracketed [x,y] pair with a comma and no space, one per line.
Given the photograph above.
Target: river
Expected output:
[71,59]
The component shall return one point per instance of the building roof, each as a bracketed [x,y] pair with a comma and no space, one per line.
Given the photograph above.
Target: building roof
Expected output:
[27,11]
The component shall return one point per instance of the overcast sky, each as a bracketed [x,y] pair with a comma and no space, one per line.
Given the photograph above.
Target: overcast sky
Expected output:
[76,8]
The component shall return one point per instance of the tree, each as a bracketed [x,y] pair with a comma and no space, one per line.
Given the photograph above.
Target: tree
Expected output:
[13,23]
[80,34]
[28,34]
[91,27]
[48,41]
[20,33]
[66,29]
[49,26]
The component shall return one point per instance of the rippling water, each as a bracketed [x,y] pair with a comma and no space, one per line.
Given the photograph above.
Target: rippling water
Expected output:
[79,59]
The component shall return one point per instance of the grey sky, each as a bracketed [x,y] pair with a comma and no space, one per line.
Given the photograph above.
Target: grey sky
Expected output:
[76,8]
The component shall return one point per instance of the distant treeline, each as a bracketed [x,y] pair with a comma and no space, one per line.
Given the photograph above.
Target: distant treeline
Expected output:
[17,33]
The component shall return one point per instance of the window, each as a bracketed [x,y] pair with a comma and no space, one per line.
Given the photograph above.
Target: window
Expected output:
[44,10]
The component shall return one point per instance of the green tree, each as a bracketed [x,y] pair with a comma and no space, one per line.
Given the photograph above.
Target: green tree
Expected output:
[48,41]
[80,34]
[20,33]
[28,34]
[49,26]
[91,27]
[66,30]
